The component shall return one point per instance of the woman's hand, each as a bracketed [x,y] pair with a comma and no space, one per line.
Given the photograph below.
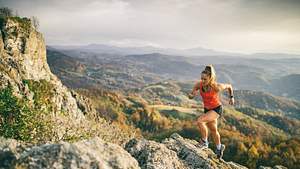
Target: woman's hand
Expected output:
[231,101]
[191,95]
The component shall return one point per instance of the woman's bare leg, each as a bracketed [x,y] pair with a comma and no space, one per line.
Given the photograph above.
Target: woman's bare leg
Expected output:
[203,130]
[213,127]
[203,119]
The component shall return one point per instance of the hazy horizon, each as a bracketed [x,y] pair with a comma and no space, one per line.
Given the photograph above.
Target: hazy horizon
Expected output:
[240,26]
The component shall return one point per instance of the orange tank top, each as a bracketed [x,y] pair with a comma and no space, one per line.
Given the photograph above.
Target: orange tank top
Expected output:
[210,98]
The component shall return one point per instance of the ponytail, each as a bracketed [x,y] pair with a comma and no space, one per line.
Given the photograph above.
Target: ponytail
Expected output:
[210,71]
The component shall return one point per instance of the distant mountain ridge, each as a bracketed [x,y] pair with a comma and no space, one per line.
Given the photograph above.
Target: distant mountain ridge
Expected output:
[268,102]
[108,49]
[197,51]
[287,86]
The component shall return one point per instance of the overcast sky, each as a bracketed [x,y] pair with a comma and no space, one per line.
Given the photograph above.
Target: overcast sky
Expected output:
[247,26]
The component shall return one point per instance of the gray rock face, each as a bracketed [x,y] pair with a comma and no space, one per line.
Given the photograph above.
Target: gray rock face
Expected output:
[152,155]
[275,167]
[175,152]
[10,151]
[23,57]
[93,153]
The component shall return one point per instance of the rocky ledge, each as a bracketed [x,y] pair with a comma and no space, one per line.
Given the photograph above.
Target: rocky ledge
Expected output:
[175,152]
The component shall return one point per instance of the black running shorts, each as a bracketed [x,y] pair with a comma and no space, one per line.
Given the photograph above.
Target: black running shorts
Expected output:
[218,110]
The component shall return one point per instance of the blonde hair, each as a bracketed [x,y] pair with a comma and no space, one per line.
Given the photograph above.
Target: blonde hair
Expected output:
[211,73]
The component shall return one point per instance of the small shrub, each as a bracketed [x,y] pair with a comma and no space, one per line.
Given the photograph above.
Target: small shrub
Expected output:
[20,121]
[43,93]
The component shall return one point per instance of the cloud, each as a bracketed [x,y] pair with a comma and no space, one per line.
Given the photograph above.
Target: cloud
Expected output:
[232,25]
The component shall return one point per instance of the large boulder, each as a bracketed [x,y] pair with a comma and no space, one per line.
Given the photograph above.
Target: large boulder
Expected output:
[275,167]
[153,155]
[10,151]
[175,152]
[93,153]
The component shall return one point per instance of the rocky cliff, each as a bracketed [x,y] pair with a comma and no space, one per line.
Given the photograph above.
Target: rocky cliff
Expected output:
[23,59]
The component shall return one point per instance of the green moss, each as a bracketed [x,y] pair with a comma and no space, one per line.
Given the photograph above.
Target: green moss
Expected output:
[43,93]
[20,121]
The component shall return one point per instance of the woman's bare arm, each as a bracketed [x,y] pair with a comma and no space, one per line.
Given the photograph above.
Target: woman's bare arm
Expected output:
[228,87]
[224,86]
[194,91]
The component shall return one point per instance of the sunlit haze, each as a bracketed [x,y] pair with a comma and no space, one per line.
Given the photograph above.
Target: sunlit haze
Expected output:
[226,25]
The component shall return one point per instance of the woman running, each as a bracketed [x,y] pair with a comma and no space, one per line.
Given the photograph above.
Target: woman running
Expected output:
[209,91]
